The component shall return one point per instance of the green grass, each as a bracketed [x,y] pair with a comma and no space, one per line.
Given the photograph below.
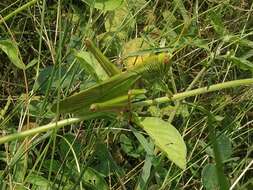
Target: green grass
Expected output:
[206,94]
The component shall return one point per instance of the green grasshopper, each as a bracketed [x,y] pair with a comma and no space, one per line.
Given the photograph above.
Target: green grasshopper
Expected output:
[114,93]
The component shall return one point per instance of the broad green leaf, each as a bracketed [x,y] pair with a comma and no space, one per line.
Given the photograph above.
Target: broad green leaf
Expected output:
[209,177]
[183,110]
[91,65]
[225,147]
[126,144]
[95,179]
[56,167]
[40,182]
[170,30]
[19,162]
[106,5]
[91,179]
[12,51]
[187,19]
[18,154]
[167,138]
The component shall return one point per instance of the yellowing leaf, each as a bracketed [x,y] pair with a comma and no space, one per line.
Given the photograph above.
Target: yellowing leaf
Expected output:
[105,5]
[167,138]
[11,50]
[133,46]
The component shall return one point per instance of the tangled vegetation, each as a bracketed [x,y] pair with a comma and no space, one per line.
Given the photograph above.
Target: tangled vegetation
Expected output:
[126,94]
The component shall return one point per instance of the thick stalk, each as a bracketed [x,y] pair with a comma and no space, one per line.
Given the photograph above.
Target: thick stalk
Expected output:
[40,129]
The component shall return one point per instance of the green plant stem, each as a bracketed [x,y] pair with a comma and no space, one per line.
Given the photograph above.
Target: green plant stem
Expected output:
[178,96]
[195,92]
[177,104]
[18,10]
[40,129]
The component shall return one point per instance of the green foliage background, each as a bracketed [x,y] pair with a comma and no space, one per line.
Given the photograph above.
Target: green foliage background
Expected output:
[209,41]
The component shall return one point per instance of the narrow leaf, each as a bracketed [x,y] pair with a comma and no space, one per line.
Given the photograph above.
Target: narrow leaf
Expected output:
[31,63]
[241,62]
[146,169]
